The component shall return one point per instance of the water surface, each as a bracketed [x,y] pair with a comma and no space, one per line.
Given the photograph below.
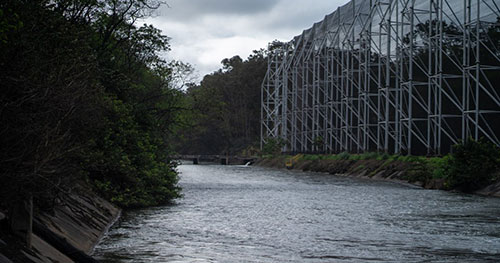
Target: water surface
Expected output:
[255,214]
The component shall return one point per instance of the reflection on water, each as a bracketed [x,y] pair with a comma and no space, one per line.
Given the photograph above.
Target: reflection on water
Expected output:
[254,214]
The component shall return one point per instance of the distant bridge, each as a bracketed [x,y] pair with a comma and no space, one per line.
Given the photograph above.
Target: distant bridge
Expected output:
[221,159]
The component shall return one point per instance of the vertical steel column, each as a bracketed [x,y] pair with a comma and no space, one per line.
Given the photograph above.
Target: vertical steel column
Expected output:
[387,75]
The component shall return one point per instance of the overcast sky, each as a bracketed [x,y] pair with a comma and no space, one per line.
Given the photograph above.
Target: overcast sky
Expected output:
[204,32]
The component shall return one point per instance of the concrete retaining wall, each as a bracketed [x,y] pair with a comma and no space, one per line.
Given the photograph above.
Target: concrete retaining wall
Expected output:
[66,234]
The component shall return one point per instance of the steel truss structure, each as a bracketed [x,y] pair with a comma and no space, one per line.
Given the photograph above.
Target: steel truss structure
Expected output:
[396,76]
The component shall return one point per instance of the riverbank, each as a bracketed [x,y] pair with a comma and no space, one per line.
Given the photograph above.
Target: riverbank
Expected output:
[68,233]
[408,170]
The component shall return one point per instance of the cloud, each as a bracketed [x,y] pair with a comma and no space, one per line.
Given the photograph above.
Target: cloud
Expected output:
[204,32]
[188,10]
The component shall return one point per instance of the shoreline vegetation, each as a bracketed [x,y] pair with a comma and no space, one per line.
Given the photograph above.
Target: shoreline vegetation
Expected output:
[472,167]
[90,109]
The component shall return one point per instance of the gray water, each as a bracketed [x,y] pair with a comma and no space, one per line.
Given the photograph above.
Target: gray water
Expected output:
[254,214]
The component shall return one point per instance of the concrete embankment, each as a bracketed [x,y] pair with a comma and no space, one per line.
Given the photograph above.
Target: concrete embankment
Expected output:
[68,233]
[390,170]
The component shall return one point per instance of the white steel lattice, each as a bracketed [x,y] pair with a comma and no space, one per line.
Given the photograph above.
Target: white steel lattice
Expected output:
[398,76]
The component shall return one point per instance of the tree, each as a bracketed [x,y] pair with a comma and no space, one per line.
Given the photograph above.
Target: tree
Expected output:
[85,97]
[226,107]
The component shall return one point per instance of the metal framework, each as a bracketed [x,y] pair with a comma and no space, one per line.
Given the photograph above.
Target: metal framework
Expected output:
[396,76]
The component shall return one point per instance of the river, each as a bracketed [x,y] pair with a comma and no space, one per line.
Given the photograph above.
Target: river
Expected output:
[255,214]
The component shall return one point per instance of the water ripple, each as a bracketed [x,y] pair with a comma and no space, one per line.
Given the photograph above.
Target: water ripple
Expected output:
[253,214]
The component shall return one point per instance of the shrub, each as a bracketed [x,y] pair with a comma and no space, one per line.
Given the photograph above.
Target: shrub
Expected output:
[330,157]
[355,157]
[273,146]
[419,172]
[383,156]
[472,165]
[404,158]
[343,156]
[311,157]
[439,166]
[369,156]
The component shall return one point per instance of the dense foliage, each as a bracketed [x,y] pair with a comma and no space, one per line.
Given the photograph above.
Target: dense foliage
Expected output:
[225,108]
[85,97]
[472,165]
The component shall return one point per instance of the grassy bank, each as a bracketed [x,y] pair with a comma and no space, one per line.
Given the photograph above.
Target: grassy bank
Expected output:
[471,167]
